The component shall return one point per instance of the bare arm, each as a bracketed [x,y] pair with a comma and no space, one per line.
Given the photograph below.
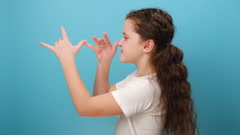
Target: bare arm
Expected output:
[105,53]
[97,106]
[101,84]
[102,105]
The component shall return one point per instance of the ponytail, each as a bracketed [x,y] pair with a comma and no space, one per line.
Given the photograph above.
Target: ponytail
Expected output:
[175,99]
[175,91]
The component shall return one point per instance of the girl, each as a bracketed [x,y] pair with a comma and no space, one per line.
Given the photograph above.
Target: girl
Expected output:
[156,98]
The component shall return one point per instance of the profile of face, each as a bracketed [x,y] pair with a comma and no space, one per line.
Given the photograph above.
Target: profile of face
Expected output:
[131,44]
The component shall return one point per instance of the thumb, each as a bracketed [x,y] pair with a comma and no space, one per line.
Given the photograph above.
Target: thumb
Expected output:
[81,43]
[90,46]
[47,46]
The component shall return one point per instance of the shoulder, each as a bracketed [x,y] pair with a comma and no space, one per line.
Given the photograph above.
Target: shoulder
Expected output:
[124,81]
[137,88]
[137,95]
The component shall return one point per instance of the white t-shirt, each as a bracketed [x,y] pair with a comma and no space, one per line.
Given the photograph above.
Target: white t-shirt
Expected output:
[138,98]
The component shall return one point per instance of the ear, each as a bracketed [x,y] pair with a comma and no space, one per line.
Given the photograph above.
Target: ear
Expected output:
[149,46]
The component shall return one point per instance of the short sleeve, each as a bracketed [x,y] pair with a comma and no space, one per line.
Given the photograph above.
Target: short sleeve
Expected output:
[136,96]
[123,82]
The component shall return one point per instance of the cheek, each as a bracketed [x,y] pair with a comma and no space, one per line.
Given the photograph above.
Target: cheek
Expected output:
[128,42]
[124,44]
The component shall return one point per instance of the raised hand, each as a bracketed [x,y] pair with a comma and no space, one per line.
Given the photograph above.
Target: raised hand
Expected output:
[103,49]
[63,48]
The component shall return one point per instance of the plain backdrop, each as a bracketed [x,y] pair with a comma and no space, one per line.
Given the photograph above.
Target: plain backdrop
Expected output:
[34,99]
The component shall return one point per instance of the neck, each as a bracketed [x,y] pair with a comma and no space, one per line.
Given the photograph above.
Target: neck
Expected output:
[144,68]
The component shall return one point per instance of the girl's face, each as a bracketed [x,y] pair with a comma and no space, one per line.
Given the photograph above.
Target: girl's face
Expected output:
[131,44]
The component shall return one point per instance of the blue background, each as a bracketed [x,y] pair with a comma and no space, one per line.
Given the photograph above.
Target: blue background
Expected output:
[34,99]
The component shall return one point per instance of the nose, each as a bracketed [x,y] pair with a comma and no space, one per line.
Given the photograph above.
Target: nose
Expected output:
[120,42]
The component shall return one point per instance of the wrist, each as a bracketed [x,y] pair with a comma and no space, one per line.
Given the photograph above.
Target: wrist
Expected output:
[104,63]
[104,66]
[66,60]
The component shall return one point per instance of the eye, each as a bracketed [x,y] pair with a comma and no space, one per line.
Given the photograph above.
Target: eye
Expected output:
[125,38]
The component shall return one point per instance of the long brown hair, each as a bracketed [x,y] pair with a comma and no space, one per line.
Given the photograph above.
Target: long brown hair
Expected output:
[156,24]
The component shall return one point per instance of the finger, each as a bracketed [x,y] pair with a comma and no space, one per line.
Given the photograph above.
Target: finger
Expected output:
[64,33]
[56,43]
[95,39]
[101,41]
[81,43]
[46,45]
[61,42]
[106,38]
[115,45]
[90,46]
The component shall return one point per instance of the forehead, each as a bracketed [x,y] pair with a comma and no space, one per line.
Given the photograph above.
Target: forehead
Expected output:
[128,26]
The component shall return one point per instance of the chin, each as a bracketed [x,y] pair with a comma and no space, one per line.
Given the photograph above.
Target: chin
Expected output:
[124,61]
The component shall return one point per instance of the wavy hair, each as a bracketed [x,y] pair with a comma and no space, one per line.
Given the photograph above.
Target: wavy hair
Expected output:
[175,99]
